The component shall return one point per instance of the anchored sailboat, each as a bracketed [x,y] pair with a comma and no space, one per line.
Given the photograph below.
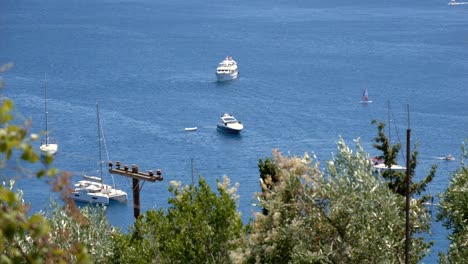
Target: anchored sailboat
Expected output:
[379,162]
[48,146]
[92,189]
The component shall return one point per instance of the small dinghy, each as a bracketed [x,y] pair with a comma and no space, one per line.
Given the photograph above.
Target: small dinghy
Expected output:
[447,157]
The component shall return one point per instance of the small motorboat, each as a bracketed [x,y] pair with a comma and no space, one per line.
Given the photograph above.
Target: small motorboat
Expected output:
[229,124]
[191,128]
[447,157]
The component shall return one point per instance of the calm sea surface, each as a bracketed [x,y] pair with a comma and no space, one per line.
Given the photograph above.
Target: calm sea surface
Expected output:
[303,67]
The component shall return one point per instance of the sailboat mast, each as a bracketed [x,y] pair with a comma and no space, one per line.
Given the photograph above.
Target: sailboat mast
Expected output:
[100,138]
[193,182]
[389,125]
[46,113]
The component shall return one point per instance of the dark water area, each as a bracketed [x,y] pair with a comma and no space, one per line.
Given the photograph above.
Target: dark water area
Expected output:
[303,67]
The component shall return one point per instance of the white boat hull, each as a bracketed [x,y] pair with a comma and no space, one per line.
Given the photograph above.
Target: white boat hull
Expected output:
[49,149]
[227,70]
[229,124]
[230,128]
[223,77]
[382,167]
[447,158]
[457,3]
[90,191]
[90,198]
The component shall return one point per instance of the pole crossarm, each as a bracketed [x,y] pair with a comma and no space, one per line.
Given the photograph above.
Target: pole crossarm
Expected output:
[134,173]
[136,177]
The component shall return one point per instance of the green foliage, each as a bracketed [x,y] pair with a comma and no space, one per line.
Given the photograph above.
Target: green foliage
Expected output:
[268,173]
[91,230]
[24,238]
[200,227]
[453,212]
[269,177]
[395,179]
[344,214]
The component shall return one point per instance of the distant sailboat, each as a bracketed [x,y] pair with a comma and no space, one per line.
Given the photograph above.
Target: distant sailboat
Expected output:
[365,97]
[47,147]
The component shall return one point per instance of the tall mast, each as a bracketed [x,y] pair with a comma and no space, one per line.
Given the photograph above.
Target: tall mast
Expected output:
[389,125]
[193,183]
[46,113]
[100,138]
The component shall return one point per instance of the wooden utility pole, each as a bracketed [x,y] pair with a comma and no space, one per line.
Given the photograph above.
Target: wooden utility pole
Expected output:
[136,177]
[407,185]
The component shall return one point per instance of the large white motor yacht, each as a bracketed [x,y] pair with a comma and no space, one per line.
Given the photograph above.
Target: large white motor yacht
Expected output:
[454,2]
[229,124]
[227,70]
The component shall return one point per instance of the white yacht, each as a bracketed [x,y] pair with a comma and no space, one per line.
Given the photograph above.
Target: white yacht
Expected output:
[227,70]
[229,124]
[379,165]
[382,167]
[454,2]
[48,146]
[92,189]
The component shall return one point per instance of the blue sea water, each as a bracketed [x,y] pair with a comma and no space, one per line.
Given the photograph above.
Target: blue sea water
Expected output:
[303,66]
